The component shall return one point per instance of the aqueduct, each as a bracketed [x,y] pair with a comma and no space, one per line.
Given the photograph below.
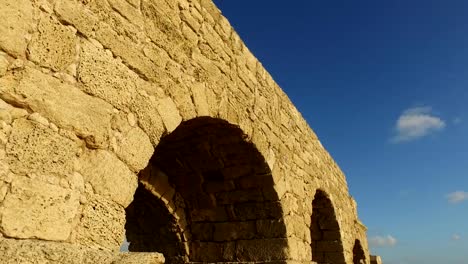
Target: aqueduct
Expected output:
[150,120]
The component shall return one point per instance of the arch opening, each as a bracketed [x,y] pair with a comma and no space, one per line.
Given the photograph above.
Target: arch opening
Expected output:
[325,234]
[359,256]
[207,193]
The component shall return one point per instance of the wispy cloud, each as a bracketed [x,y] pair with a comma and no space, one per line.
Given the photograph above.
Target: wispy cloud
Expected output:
[457,120]
[415,123]
[456,237]
[457,197]
[382,241]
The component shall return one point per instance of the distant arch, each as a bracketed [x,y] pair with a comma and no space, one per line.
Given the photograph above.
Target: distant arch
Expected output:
[359,256]
[213,191]
[325,234]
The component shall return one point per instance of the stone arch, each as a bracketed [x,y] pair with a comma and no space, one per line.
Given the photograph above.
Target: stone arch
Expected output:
[215,191]
[325,234]
[359,257]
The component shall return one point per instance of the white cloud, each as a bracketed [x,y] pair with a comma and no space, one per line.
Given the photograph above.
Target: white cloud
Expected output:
[456,237]
[382,241]
[416,122]
[457,197]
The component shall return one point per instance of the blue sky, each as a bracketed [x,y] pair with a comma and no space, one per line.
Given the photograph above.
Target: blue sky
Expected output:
[384,84]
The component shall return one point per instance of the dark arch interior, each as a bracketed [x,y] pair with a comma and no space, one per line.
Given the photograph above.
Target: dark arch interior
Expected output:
[325,232]
[359,256]
[147,219]
[220,206]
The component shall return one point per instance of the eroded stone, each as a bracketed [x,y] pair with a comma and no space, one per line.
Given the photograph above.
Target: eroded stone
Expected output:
[54,45]
[108,176]
[35,209]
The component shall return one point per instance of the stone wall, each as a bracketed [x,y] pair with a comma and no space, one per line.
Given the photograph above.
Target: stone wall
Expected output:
[104,100]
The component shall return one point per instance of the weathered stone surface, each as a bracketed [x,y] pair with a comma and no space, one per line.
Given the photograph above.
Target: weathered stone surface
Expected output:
[119,88]
[54,45]
[38,252]
[17,22]
[262,249]
[108,176]
[34,148]
[3,64]
[91,89]
[169,113]
[64,105]
[135,149]
[101,224]
[35,209]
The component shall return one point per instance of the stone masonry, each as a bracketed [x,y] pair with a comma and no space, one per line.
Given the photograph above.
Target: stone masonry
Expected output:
[150,121]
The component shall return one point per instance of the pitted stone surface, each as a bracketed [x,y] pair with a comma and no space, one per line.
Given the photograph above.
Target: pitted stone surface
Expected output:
[101,224]
[34,209]
[34,148]
[17,23]
[54,45]
[99,97]
[38,252]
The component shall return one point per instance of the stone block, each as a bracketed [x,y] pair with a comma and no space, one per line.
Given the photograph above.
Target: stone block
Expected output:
[38,252]
[35,209]
[267,228]
[62,104]
[169,113]
[149,118]
[231,231]
[260,210]
[33,148]
[3,64]
[105,77]
[199,99]
[54,45]
[239,196]
[135,149]
[262,249]
[210,215]
[101,224]
[206,252]
[128,11]
[108,176]
[17,23]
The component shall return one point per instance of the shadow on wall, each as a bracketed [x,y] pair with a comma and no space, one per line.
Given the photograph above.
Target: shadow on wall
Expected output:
[207,196]
[325,234]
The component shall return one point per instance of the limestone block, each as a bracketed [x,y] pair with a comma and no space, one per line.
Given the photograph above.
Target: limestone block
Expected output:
[267,228]
[206,252]
[199,98]
[169,113]
[105,77]
[17,21]
[253,211]
[34,148]
[39,252]
[108,176]
[101,224]
[62,104]
[234,230]
[74,13]
[135,149]
[54,45]
[296,227]
[262,249]
[35,209]
[149,118]
[3,64]
[128,11]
